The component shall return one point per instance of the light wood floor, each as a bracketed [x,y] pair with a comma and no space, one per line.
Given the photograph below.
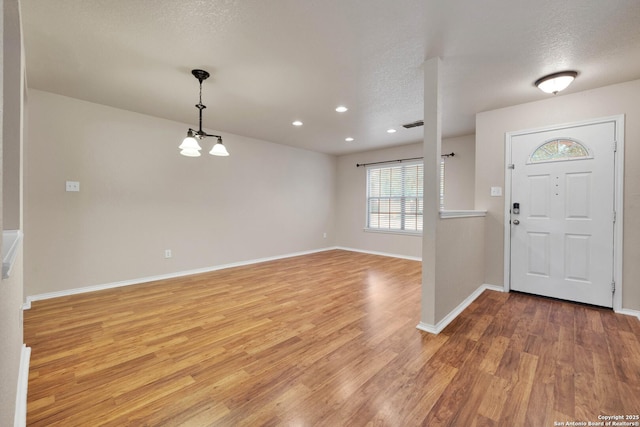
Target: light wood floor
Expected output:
[327,339]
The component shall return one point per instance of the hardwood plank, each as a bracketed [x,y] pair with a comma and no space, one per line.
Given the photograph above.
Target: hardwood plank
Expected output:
[456,350]
[492,359]
[400,384]
[585,396]
[566,347]
[622,347]
[453,398]
[208,415]
[564,391]
[471,407]
[605,383]
[493,401]
[541,400]
[482,421]
[521,384]
[360,391]
[479,326]
[322,339]
[436,380]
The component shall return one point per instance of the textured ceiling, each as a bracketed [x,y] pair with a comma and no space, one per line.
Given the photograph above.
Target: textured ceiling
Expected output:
[272,62]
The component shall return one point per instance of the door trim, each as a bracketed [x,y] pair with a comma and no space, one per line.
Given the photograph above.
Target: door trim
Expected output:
[618,195]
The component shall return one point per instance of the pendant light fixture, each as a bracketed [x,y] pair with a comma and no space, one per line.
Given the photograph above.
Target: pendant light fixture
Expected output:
[556,82]
[190,146]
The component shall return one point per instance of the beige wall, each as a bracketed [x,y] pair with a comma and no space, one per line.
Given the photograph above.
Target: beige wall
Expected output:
[351,205]
[431,151]
[459,172]
[351,194]
[138,197]
[459,262]
[491,127]
[11,289]
[12,131]
[11,338]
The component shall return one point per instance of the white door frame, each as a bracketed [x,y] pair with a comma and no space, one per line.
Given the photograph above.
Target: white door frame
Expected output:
[618,198]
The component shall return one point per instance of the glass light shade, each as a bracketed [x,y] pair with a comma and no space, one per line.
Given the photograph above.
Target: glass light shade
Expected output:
[219,150]
[190,152]
[555,83]
[190,143]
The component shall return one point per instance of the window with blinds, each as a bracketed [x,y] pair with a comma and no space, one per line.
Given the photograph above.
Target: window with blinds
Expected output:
[394,198]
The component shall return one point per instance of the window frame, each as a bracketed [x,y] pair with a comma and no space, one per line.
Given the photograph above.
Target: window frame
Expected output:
[588,156]
[402,198]
[442,187]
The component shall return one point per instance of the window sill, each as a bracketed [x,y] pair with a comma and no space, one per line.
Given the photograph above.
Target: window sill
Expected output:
[462,214]
[398,232]
[10,243]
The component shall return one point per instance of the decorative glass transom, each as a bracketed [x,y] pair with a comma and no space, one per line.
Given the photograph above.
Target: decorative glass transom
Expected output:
[559,149]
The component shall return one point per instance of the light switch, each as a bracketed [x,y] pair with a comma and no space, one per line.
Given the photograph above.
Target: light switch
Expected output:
[496,191]
[73,186]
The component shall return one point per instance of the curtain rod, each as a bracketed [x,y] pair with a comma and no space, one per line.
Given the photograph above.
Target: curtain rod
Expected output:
[401,160]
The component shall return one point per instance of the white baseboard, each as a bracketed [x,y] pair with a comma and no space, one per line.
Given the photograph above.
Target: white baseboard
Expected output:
[629,312]
[387,254]
[493,287]
[67,292]
[20,418]
[427,327]
[438,327]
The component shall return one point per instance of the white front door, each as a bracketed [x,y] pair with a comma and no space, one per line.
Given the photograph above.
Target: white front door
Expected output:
[562,238]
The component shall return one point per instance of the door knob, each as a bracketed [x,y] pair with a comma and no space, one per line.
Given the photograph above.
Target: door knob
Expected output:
[516,222]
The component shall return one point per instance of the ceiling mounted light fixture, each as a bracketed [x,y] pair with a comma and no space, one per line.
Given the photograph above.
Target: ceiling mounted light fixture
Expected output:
[190,146]
[556,82]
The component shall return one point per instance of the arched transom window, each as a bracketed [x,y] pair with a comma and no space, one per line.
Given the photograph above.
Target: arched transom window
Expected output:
[559,149]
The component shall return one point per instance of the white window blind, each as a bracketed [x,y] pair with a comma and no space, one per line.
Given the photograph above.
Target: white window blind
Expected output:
[394,197]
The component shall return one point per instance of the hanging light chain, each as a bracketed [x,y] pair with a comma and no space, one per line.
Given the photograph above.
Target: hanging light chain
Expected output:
[200,106]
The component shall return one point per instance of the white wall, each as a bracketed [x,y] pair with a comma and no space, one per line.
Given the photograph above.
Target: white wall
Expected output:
[491,127]
[138,197]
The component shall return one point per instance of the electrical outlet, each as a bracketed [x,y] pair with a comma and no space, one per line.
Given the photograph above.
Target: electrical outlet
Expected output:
[73,186]
[324,235]
[167,253]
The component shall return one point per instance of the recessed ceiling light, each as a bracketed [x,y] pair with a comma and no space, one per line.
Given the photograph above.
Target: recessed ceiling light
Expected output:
[349,139]
[391,131]
[297,123]
[341,108]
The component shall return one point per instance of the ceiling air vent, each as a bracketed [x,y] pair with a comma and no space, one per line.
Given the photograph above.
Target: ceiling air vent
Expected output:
[414,124]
